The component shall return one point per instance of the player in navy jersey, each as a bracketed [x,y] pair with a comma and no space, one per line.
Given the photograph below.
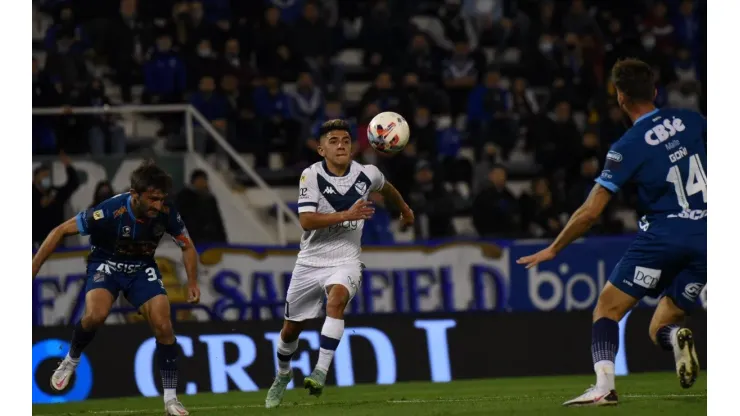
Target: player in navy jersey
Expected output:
[664,154]
[124,233]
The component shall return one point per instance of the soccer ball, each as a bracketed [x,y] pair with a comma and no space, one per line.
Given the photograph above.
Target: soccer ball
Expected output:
[388,132]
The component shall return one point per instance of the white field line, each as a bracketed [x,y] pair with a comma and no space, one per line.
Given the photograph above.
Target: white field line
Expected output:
[402,401]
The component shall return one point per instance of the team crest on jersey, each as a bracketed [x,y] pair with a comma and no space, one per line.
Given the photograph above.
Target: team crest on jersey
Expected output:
[126,231]
[98,277]
[361,188]
[98,215]
[615,156]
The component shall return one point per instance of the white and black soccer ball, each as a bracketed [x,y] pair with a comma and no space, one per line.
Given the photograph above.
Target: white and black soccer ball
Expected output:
[388,132]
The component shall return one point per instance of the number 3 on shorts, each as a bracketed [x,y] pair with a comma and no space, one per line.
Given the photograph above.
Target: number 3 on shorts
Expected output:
[152,274]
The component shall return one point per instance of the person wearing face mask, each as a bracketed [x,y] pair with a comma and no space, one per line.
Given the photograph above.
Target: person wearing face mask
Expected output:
[103,191]
[495,209]
[49,200]
[201,63]
[433,205]
[103,131]
[199,209]
[213,106]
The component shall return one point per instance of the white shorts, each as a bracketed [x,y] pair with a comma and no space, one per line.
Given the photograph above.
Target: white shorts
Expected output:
[308,286]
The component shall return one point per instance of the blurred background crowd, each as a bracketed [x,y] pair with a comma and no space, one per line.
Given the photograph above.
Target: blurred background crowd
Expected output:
[495,91]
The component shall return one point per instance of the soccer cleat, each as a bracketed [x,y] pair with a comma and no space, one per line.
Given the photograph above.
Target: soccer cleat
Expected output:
[595,396]
[315,383]
[175,408]
[687,363]
[277,390]
[60,379]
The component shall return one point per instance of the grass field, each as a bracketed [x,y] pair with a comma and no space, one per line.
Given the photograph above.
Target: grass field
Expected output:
[643,394]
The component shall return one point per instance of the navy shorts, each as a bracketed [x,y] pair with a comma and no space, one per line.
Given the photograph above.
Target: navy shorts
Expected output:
[139,283]
[660,265]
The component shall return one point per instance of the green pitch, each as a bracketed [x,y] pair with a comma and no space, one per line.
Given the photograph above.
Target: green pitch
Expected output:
[642,394]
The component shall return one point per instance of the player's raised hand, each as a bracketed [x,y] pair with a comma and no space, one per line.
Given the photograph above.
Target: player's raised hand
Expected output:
[361,210]
[537,258]
[407,216]
[193,293]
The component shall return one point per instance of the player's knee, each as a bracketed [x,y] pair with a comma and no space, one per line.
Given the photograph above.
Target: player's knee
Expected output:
[609,310]
[94,318]
[163,331]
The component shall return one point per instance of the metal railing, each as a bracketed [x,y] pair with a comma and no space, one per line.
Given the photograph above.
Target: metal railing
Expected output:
[191,113]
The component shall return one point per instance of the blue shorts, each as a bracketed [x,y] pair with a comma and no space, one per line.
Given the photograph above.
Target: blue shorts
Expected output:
[139,283]
[673,266]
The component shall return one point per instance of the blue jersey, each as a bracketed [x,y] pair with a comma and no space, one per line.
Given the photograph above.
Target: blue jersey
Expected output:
[117,236]
[665,155]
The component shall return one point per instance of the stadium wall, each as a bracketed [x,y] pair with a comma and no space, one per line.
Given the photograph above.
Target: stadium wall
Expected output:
[249,283]
[224,356]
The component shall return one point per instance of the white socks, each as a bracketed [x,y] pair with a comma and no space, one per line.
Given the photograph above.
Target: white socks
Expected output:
[604,375]
[331,334]
[285,352]
[169,394]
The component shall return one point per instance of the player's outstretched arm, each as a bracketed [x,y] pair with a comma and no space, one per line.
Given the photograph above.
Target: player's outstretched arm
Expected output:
[579,223]
[52,241]
[390,193]
[361,210]
[190,260]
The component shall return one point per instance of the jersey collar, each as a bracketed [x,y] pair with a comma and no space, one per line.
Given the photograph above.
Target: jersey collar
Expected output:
[326,168]
[646,115]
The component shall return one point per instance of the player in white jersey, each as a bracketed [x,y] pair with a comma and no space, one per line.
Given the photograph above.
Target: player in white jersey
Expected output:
[333,207]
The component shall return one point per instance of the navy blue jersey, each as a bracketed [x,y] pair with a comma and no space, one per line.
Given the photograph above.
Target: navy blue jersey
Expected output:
[117,236]
[665,155]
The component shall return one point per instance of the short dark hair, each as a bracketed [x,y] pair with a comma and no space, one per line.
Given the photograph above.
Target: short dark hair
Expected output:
[634,78]
[149,176]
[331,125]
[198,174]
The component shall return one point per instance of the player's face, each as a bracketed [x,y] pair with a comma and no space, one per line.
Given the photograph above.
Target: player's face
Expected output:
[336,147]
[148,204]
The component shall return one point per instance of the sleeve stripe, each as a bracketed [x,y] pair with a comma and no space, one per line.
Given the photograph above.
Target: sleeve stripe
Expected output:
[308,208]
[80,225]
[308,204]
[608,185]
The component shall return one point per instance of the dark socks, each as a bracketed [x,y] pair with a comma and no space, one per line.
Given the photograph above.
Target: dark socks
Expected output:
[167,358]
[664,337]
[604,340]
[80,339]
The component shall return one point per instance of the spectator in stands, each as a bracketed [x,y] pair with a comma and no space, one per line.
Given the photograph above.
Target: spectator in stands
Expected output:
[524,105]
[198,28]
[433,205]
[273,50]
[217,10]
[65,23]
[457,27]
[45,95]
[66,61]
[272,106]
[687,27]
[592,148]
[49,200]
[495,209]
[402,169]
[313,41]
[377,230]
[580,186]
[424,133]
[379,38]
[236,63]
[214,107]
[203,63]
[104,131]
[657,26]
[361,148]
[685,66]
[242,127]
[686,96]
[382,94]
[557,148]
[103,191]
[613,127]
[416,94]
[489,117]
[487,160]
[128,40]
[199,209]
[421,60]
[289,11]
[546,23]
[457,170]
[165,80]
[541,64]
[460,76]
[579,21]
[164,74]
[306,103]
[540,212]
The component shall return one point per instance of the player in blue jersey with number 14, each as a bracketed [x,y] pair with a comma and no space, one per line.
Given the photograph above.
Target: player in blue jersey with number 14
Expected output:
[664,154]
[124,234]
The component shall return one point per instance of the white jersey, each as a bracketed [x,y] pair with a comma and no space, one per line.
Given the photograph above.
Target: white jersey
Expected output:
[323,192]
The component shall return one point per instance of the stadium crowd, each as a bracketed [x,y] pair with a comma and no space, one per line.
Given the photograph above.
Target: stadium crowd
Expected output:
[492,90]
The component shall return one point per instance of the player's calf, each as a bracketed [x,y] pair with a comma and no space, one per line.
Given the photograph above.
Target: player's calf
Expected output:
[331,334]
